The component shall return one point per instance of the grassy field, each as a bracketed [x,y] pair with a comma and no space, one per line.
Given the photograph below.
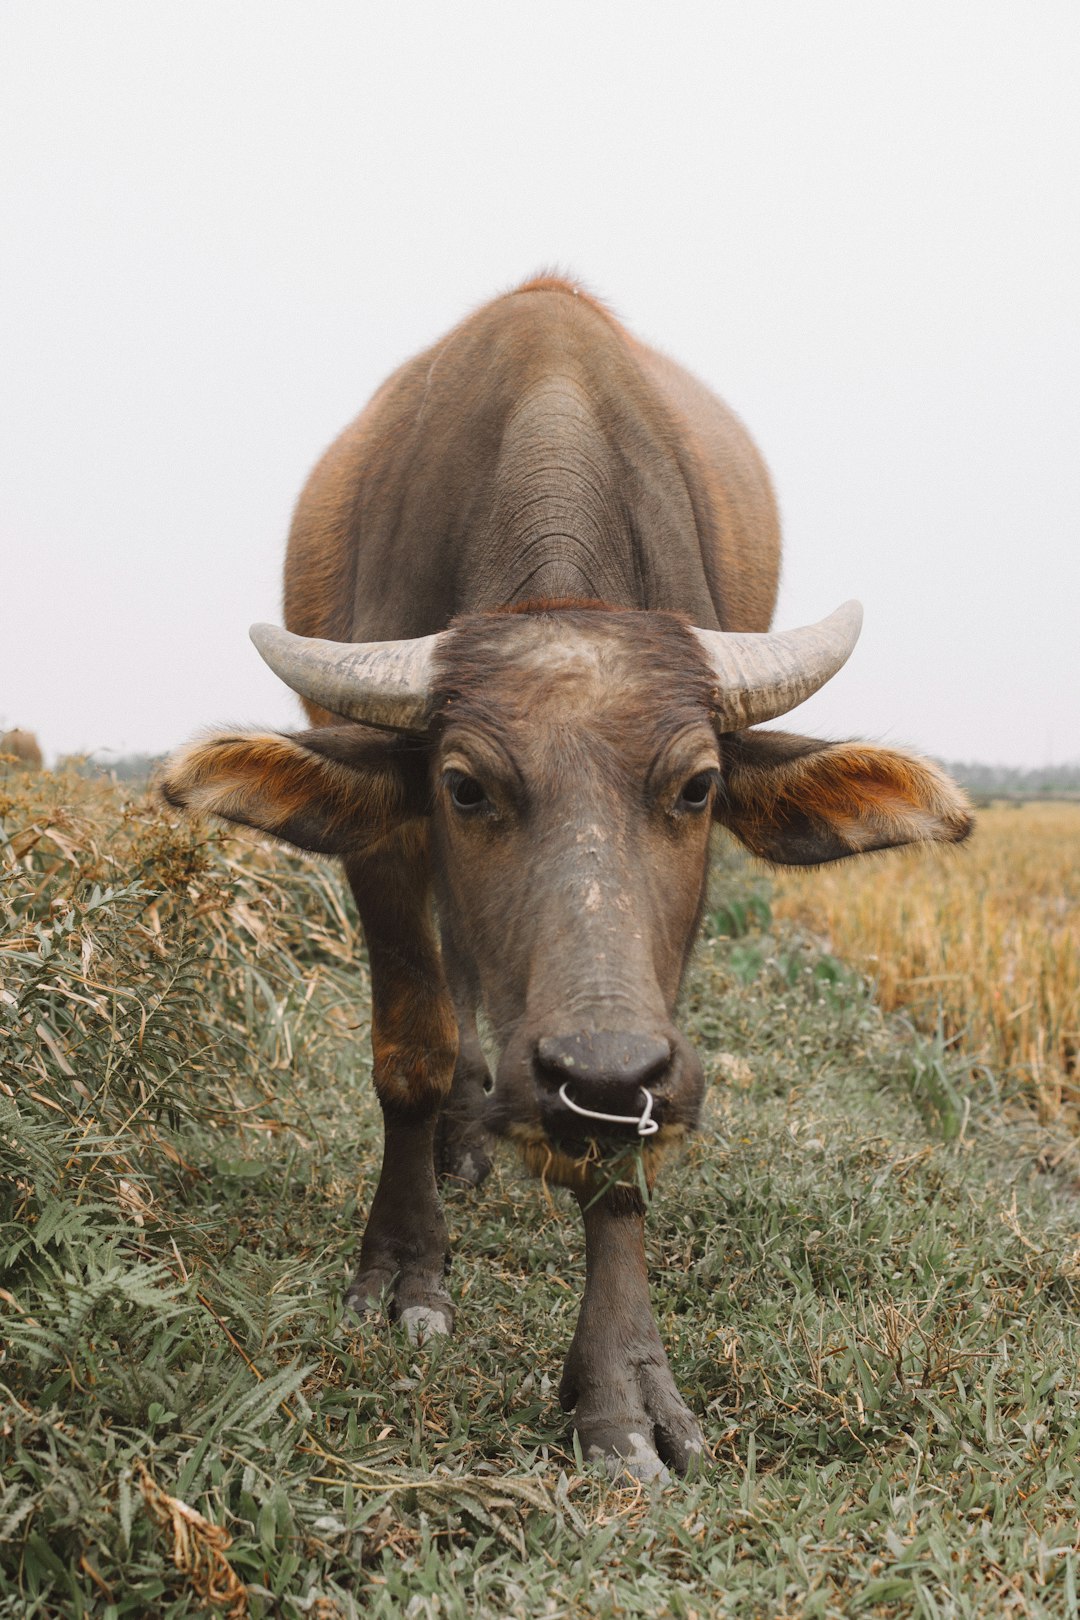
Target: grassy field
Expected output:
[982,942]
[866,1269]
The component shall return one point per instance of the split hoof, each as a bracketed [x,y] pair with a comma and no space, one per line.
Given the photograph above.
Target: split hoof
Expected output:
[637,1424]
[628,1459]
[424,1322]
[418,1300]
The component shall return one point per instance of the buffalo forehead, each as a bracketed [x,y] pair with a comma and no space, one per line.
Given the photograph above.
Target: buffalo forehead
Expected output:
[579,669]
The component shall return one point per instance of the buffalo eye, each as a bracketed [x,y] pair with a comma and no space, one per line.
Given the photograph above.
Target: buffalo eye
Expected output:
[466,793]
[695,793]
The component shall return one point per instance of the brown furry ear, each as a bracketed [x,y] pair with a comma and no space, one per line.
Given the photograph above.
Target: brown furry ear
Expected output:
[334,791]
[798,801]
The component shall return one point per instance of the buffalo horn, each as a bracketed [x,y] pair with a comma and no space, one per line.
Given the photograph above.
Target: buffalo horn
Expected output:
[761,676]
[382,683]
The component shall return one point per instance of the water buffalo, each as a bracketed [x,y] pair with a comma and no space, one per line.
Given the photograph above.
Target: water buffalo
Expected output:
[528,595]
[23,747]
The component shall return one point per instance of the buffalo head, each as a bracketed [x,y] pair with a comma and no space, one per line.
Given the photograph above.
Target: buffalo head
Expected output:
[567,764]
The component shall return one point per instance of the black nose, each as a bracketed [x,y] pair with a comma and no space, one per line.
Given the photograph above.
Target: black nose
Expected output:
[602,1070]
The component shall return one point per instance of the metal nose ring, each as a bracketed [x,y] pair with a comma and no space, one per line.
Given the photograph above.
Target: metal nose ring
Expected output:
[646,1125]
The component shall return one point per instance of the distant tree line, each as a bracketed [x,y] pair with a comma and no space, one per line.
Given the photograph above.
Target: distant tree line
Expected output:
[124,768]
[1011,781]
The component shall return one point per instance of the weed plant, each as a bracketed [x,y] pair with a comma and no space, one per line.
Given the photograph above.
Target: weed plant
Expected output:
[865,1268]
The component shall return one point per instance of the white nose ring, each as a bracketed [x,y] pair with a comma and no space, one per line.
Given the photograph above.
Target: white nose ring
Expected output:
[646,1125]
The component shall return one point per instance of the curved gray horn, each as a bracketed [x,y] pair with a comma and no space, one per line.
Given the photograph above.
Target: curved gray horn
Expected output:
[382,683]
[761,676]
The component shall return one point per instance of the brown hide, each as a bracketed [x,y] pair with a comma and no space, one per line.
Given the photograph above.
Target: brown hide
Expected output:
[538,451]
[573,504]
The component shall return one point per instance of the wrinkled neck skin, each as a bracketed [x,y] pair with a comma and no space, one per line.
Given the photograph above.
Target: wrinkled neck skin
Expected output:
[576,892]
[556,525]
[572,517]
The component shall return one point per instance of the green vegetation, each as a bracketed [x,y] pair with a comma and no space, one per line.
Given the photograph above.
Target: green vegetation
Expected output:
[866,1273]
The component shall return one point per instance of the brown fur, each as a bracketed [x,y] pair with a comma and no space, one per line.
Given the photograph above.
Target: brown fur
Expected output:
[414,1030]
[799,801]
[586,1173]
[337,791]
[492,665]
[428,507]
[568,500]
[584,849]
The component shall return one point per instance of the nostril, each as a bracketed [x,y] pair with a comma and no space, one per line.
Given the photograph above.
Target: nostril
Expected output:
[602,1059]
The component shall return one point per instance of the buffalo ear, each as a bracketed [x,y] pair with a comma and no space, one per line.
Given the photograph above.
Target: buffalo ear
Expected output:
[798,801]
[334,791]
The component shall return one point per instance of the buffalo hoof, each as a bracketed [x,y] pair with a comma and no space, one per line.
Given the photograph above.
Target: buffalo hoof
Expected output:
[462,1152]
[424,1322]
[416,1299]
[635,1423]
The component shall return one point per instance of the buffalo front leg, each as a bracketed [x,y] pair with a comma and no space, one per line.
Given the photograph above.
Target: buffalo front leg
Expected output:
[462,1144]
[627,1411]
[404,1255]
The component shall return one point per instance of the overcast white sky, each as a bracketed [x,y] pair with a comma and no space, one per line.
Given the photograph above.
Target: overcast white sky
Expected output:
[224,223]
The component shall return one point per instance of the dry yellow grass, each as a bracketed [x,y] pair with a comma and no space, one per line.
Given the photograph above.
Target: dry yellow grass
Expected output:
[985,939]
